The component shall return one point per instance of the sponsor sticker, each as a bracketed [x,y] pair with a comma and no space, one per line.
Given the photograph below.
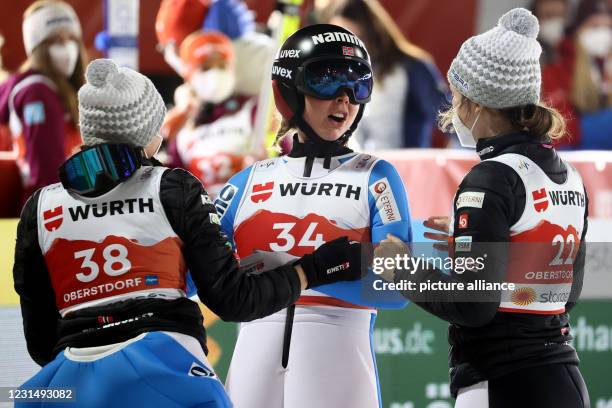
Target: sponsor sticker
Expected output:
[463,244]
[463,220]
[206,199]
[151,280]
[385,201]
[214,218]
[473,199]
[224,199]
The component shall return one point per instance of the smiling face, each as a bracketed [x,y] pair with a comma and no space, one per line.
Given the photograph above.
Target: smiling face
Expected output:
[330,119]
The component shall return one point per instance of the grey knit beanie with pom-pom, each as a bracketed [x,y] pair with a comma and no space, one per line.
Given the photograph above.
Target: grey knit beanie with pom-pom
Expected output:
[118,105]
[500,68]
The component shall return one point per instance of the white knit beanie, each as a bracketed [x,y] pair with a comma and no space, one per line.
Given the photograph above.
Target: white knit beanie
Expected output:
[46,21]
[501,67]
[119,105]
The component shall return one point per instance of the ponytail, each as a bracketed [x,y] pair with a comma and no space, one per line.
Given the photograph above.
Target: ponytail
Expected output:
[537,119]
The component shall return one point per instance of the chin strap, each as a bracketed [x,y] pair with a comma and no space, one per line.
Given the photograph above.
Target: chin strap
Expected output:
[315,146]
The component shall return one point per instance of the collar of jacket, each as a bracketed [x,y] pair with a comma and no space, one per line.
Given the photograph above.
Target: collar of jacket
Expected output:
[494,146]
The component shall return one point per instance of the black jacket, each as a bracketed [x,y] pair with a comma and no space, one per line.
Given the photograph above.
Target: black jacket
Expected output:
[231,294]
[484,342]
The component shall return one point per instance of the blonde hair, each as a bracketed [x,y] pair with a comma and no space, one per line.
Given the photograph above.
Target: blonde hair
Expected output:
[584,93]
[537,119]
[40,61]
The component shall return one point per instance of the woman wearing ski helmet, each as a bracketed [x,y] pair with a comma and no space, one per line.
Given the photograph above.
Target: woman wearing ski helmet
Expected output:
[316,353]
[523,212]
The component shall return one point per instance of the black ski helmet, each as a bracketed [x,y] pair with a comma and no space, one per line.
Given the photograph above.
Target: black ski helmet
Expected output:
[319,42]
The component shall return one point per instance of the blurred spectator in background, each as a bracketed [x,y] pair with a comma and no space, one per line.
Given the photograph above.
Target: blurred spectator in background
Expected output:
[5,136]
[213,131]
[553,16]
[40,102]
[409,88]
[3,72]
[577,68]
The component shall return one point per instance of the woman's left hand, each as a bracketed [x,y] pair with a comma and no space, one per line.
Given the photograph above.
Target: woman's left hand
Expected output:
[390,247]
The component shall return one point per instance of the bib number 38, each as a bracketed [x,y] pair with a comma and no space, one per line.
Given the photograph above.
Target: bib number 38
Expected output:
[115,263]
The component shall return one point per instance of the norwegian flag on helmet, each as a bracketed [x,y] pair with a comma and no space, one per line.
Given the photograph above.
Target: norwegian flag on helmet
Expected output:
[350,51]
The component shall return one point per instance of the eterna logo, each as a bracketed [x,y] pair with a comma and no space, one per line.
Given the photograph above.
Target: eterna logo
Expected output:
[115,207]
[320,189]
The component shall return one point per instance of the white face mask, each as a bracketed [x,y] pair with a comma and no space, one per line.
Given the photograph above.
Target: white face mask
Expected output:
[597,41]
[161,141]
[214,85]
[464,134]
[64,56]
[551,30]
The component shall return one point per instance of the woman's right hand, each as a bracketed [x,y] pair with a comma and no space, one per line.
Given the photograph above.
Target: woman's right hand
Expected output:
[441,224]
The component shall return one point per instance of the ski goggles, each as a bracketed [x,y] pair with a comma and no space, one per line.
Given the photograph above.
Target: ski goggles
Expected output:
[115,162]
[326,79]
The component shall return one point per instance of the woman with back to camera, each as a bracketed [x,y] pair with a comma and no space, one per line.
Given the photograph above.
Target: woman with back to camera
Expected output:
[40,102]
[525,209]
[318,352]
[101,260]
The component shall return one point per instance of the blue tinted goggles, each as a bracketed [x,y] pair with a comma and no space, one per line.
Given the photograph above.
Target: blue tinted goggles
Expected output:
[115,162]
[326,79]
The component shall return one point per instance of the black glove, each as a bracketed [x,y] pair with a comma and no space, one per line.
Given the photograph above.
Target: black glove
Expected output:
[337,260]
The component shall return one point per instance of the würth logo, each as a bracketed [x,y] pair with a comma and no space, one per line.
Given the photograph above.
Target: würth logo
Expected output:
[540,200]
[261,192]
[342,267]
[350,51]
[53,218]
[327,189]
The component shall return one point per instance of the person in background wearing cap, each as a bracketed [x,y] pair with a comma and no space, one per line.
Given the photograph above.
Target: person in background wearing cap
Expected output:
[40,102]
[214,138]
[317,352]
[101,258]
[523,212]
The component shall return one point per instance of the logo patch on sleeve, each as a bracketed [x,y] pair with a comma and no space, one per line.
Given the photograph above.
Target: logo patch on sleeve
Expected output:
[206,199]
[214,219]
[385,201]
[463,220]
[224,199]
[34,113]
[463,244]
[473,199]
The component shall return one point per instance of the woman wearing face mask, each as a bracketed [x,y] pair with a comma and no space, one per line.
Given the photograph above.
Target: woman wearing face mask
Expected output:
[509,348]
[577,81]
[40,102]
[316,353]
[214,128]
[101,259]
